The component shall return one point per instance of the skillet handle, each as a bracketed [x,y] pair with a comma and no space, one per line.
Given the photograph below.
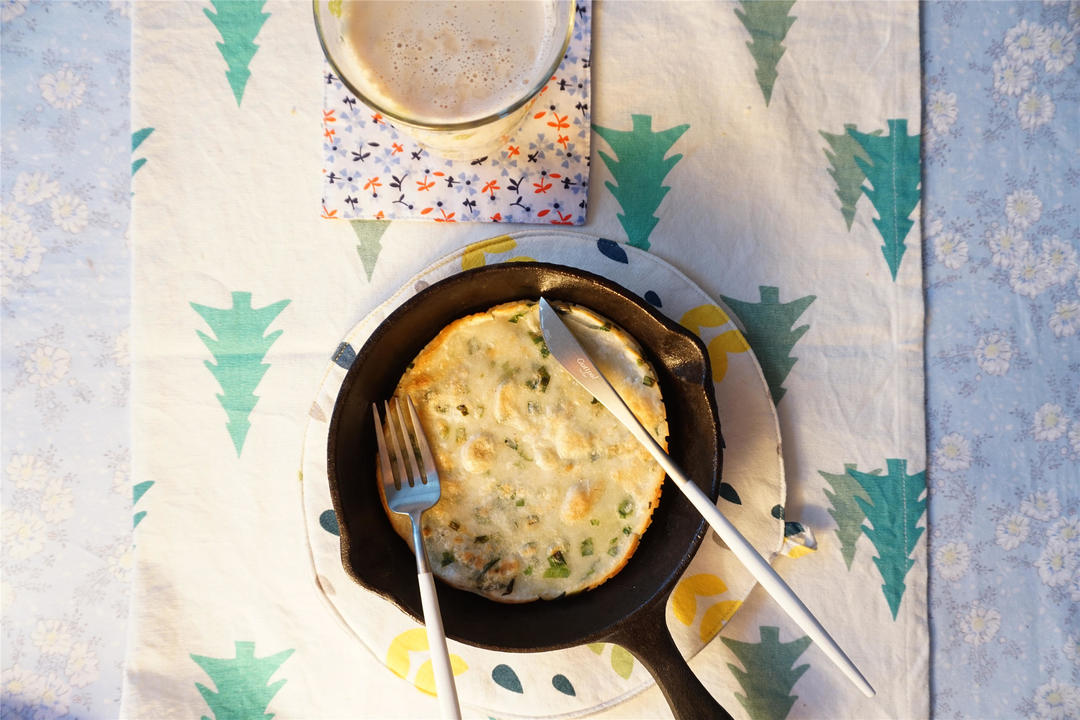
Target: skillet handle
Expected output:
[648,639]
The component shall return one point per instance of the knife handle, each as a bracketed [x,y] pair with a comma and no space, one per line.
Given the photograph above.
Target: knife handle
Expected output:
[764,573]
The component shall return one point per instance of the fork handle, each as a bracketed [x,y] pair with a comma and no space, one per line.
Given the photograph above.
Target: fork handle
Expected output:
[440,656]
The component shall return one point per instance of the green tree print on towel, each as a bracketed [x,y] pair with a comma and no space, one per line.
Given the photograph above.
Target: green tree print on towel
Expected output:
[239,348]
[136,494]
[845,511]
[894,173]
[768,23]
[847,175]
[137,138]
[897,502]
[768,329]
[639,169]
[768,675]
[241,682]
[238,21]
[368,241]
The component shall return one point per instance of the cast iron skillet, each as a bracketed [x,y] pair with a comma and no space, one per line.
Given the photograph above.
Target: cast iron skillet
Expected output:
[628,609]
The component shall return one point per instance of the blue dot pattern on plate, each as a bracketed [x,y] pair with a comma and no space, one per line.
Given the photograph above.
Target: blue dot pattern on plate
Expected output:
[653,298]
[504,676]
[728,493]
[329,522]
[563,685]
[344,355]
[612,249]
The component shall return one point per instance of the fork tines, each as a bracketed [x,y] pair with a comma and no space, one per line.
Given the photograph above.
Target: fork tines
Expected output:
[415,463]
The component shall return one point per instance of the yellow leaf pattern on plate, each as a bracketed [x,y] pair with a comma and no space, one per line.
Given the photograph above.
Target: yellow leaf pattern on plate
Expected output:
[397,657]
[716,617]
[684,597]
[474,254]
[730,341]
[724,343]
[425,676]
[415,640]
[622,661]
[704,316]
[795,551]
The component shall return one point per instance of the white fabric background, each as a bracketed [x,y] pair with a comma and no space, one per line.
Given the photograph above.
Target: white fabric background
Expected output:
[225,204]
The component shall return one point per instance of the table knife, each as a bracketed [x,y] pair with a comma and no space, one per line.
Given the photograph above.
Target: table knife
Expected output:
[565,348]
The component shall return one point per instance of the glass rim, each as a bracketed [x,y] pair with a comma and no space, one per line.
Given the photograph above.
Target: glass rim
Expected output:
[448,127]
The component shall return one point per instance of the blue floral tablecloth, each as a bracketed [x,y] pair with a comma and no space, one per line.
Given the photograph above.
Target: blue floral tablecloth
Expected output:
[1001,231]
[66,501]
[1001,238]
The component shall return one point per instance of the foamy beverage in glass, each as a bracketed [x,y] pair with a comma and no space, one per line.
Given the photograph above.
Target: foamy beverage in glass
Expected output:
[459,74]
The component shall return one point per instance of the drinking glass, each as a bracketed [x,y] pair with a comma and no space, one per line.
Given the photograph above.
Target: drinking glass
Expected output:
[451,134]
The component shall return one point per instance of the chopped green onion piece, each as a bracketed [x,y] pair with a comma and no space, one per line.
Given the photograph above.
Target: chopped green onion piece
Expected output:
[520,502]
[557,567]
[594,521]
[447,558]
[586,547]
[455,525]
[512,444]
[540,344]
[528,570]
[480,539]
[648,381]
[491,564]
[626,507]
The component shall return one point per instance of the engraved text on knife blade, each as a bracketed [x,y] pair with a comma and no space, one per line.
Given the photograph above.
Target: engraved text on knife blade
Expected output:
[583,364]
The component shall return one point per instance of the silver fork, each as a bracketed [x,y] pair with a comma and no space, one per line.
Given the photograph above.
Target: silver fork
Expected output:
[413,490]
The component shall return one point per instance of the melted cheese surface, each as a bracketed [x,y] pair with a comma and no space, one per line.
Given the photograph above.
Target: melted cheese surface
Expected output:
[544,492]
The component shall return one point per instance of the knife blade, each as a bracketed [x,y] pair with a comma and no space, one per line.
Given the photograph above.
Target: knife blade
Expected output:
[565,348]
